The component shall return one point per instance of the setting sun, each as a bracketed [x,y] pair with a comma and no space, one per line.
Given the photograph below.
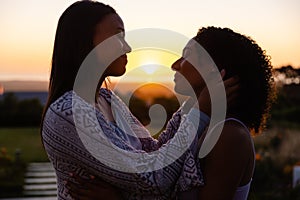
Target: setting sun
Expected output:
[148,65]
[150,68]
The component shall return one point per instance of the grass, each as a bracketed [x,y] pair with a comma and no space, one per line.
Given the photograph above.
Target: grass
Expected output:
[25,140]
[28,141]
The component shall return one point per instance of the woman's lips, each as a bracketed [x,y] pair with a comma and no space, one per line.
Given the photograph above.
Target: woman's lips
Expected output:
[124,56]
[176,77]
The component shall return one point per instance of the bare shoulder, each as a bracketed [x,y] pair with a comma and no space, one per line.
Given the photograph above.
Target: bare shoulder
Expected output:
[234,147]
[235,133]
[235,140]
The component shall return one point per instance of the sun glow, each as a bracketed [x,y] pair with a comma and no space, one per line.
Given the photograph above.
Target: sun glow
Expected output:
[1,89]
[150,68]
[151,63]
[148,65]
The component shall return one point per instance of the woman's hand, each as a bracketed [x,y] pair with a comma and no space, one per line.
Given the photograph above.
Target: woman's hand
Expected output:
[93,188]
[231,86]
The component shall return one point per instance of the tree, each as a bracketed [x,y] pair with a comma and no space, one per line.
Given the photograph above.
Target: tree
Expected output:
[20,113]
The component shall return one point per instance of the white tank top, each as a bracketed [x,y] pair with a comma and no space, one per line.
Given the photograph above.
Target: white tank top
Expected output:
[242,192]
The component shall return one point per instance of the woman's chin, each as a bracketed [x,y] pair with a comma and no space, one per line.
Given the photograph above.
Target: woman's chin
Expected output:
[121,73]
[183,91]
[118,72]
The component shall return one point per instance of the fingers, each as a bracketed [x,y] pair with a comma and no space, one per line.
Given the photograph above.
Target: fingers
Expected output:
[91,182]
[223,73]
[89,187]
[231,81]
[76,191]
[232,89]
[83,192]
[88,191]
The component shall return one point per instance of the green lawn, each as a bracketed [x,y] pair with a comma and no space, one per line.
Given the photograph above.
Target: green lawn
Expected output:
[27,140]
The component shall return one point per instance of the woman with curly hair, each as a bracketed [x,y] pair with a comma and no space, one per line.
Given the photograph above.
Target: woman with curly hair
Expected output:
[229,163]
[228,167]
[241,56]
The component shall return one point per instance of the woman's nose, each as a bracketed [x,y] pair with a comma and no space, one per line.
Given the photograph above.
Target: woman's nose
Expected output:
[176,65]
[126,47]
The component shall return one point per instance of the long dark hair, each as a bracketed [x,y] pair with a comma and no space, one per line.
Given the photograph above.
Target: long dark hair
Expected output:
[73,42]
[240,55]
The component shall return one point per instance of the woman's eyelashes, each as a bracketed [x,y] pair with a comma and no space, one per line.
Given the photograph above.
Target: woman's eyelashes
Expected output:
[121,35]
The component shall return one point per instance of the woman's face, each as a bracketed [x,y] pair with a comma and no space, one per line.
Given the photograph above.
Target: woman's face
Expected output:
[111,25]
[188,80]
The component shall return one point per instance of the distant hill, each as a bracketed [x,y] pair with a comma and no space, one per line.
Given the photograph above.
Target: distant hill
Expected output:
[42,96]
[39,89]
[28,86]
[42,86]
[25,90]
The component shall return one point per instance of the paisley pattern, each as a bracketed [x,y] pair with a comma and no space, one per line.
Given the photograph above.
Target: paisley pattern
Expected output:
[67,152]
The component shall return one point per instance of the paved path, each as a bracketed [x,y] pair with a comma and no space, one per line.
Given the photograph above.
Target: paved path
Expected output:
[40,180]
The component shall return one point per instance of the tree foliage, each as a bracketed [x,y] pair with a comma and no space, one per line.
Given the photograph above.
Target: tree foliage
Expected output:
[20,113]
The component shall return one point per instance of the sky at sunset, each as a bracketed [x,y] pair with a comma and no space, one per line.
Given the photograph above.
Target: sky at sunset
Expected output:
[28,29]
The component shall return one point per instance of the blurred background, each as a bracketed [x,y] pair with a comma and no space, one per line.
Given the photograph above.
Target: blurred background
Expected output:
[27,36]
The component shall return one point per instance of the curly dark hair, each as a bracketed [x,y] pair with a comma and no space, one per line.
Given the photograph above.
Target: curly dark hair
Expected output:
[240,55]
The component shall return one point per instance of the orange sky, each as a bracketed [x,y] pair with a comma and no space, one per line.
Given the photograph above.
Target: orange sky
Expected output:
[28,29]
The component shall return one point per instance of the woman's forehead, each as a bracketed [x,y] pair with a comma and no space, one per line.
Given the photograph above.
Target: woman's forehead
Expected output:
[191,44]
[112,21]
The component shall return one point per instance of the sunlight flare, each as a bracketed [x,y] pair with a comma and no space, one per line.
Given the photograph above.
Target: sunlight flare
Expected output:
[150,68]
